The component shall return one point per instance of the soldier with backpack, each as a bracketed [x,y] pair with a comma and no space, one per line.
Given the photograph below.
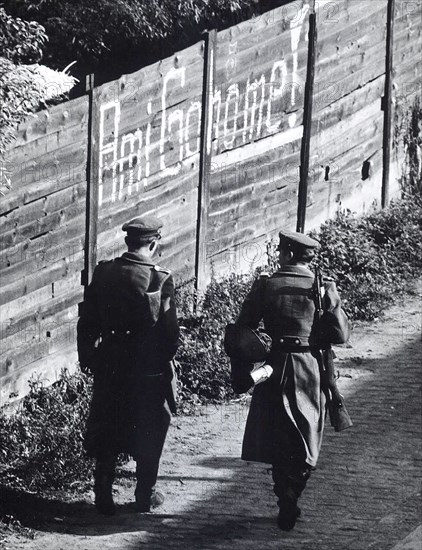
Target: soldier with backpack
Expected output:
[285,423]
[127,336]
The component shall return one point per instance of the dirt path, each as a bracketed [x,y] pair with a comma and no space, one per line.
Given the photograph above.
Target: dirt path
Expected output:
[364,495]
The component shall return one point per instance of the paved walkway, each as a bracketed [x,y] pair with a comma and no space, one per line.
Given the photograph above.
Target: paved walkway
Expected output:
[366,493]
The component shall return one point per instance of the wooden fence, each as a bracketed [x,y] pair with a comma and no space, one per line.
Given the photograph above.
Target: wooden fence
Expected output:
[274,123]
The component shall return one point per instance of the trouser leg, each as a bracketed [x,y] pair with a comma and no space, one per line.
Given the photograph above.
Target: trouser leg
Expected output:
[150,437]
[104,473]
[146,477]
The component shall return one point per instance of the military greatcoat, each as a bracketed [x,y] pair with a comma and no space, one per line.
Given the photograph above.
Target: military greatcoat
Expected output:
[127,341]
[287,413]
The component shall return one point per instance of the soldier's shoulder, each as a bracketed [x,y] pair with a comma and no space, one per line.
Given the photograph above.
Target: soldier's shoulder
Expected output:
[161,269]
[102,264]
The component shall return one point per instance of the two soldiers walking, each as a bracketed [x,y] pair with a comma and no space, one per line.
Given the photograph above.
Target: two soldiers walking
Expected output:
[128,334]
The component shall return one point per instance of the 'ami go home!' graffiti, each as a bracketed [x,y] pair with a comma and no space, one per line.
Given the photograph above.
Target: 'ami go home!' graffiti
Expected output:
[241,112]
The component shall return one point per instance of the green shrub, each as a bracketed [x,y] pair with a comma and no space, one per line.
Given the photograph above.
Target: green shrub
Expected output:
[21,43]
[408,135]
[204,367]
[372,257]
[41,444]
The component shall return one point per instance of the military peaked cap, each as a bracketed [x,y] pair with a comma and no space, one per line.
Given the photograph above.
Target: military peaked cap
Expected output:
[297,239]
[144,226]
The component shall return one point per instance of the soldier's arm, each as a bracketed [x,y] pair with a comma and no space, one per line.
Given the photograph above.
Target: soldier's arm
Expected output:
[251,311]
[88,329]
[169,321]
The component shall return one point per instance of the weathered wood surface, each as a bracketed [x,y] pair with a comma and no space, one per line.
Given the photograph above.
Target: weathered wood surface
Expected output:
[258,110]
[42,224]
[348,125]
[407,49]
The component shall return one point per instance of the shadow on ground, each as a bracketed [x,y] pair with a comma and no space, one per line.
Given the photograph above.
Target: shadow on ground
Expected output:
[364,495]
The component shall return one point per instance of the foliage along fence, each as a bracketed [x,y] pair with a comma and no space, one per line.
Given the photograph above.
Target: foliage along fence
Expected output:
[274,123]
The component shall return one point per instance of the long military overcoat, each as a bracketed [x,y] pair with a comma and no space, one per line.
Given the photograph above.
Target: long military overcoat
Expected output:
[292,399]
[127,340]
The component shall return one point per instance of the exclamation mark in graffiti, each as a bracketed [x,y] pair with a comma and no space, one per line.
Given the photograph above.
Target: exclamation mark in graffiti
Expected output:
[295,29]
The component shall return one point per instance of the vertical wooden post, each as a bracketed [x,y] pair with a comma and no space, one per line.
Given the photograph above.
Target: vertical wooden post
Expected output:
[386,105]
[307,124]
[92,189]
[205,158]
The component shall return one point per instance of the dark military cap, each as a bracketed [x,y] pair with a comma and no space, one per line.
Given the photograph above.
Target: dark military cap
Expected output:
[144,226]
[297,239]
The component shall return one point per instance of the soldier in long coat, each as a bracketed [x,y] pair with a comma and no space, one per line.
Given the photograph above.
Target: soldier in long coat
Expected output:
[286,418]
[127,335]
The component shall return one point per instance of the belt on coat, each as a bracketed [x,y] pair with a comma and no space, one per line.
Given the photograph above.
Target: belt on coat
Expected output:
[289,344]
[114,333]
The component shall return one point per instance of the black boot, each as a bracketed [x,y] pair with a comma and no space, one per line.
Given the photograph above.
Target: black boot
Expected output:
[104,477]
[288,511]
[145,503]
[288,486]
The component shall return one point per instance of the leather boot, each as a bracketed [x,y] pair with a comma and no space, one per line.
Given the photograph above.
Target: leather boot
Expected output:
[289,488]
[103,495]
[288,511]
[144,503]
[104,477]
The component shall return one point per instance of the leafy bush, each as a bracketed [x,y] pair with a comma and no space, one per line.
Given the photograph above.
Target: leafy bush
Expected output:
[204,367]
[20,42]
[408,130]
[41,444]
[353,259]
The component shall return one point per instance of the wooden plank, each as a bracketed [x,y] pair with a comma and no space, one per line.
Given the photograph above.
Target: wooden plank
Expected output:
[364,67]
[15,386]
[345,19]
[258,56]
[205,161]
[347,190]
[31,301]
[352,105]
[329,92]
[60,117]
[171,193]
[307,124]
[274,22]
[26,213]
[24,338]
[387,105]
[38,279]
[48,223]
[33,326]
[261,172]
[91,221]
[37,252]
[70,163]
[26,355]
